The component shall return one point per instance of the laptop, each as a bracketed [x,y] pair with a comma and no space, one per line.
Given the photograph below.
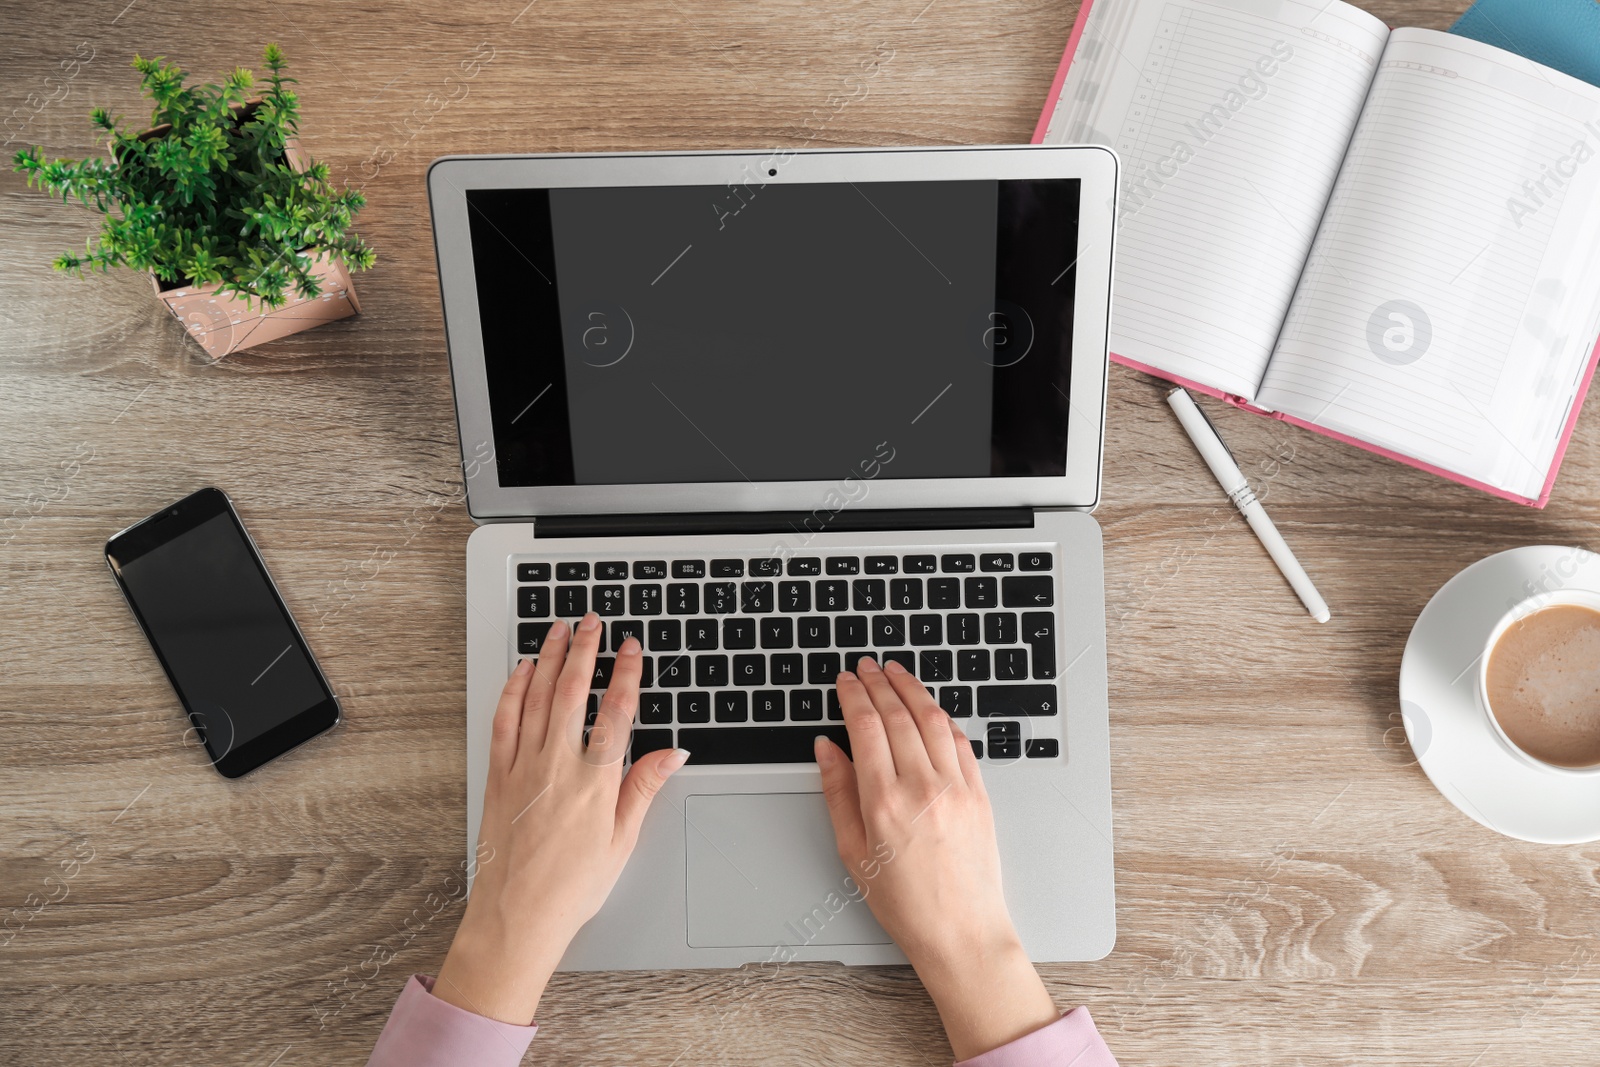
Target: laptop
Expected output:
[771,412]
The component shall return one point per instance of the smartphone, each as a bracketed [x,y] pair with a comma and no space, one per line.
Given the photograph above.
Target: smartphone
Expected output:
[239,664]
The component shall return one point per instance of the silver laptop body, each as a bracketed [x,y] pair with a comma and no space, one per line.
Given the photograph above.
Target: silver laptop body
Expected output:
[771,411]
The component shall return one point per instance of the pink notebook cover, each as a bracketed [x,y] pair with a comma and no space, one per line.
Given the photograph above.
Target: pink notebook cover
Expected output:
[1240,402]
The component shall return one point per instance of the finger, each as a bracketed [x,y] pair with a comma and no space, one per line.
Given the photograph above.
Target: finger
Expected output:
[508,720]
[542,688]
[930,718]
[905,737]
[869,745]
[645,779]
[844,799]
[572,687]
[971,773]
[608,738]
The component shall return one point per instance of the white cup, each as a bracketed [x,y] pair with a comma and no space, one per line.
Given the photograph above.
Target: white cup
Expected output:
[1534,604]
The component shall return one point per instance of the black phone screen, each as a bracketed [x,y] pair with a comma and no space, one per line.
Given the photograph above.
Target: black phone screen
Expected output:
[240,666]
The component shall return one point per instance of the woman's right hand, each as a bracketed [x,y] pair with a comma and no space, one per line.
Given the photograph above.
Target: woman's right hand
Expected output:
[916,834]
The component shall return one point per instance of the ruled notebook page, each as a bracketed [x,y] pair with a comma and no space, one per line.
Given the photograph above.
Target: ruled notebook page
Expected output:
[1452,300]
[1231,118]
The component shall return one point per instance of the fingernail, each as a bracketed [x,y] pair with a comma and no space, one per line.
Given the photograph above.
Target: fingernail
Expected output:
[672,761]
[846,676]
[590,623]
[824,751]
[523,666]
[630,647]
[557,629]
[866,666]
[894,667]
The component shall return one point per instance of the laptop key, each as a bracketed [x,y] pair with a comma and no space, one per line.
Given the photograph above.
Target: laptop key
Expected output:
[1042,748]
[937,666]
[750,670]
[722,598]
[997,561]
[844,565]
[738,633]
[1010,664]
[673,672]
[777,633]
[759,744]
[972,665]
[977,748]
[623,629]
[833,596]
[1000,628]
[572,572]
[883,565]
[608,600]
[727,568]
[644,600]
[530,637]
[1029,592]
[1034,561]
[603,667]
[835,711]
[870,594]
[794,596]
[572,600]
[1005,740]
[683,598]
[850,631]
[921,564]
[650,569]
[956,700]
[805,565]
[905,594]
[655,708]
[957,563]
[1039,631]
[852,660]
[755,598]
[822,668]
[888,631]
[694,707]
[700,635]
[904,657]
[688,568]
[815,632]
[981,593]
[533,602]
[788,669]
[711,671]
[766,705]
[611,571]
[533,572]
[1017,700]
[927,630]
[665,635]
[805,705]
[766,568]
[962,627]
[645,741]
[944,592]
[733,707]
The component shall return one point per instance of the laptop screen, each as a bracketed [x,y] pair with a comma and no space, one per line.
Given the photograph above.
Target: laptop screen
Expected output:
[786,332]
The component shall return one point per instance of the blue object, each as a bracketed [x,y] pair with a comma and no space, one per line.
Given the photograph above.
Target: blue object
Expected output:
[1564,34]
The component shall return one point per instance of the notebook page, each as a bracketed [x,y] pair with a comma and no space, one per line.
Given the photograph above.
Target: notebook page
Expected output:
[1231,118]
[1453,296]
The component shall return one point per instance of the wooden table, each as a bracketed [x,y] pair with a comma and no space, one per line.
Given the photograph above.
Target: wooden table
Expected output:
[1291,888]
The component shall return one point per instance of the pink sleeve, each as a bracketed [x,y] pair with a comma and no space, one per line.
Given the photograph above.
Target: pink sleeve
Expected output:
[1070,1041]
[424,1031]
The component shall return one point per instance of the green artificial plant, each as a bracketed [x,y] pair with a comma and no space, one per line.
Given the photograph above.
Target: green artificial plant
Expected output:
[208,194]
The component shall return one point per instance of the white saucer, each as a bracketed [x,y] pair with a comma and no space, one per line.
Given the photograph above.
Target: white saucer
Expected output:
[1445,723]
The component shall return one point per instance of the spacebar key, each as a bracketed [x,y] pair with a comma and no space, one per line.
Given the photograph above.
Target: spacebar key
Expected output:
[758,744]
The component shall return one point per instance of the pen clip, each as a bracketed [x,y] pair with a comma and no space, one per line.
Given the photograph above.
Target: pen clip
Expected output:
[1217,435]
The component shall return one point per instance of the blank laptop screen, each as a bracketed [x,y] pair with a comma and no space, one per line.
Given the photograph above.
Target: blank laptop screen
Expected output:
[791,333]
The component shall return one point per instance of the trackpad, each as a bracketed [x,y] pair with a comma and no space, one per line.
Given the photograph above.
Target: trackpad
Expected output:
[764,871]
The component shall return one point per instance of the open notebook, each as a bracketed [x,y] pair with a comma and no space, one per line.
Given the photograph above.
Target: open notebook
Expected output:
[1392,238]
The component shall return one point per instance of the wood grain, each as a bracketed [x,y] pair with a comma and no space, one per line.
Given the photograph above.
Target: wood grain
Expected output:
[1292,890]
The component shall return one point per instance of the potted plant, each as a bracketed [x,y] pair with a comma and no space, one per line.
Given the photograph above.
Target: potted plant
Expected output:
[243,236]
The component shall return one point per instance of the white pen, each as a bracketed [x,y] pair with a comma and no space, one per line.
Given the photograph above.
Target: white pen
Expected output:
[1220,460]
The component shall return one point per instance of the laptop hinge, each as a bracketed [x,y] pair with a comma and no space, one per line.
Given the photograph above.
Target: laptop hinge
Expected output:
[801,523]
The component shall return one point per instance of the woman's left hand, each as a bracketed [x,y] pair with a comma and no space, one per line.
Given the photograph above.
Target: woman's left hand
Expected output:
[559,822]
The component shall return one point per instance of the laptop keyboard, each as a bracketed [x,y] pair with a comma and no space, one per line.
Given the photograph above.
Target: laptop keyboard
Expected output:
[740,655]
